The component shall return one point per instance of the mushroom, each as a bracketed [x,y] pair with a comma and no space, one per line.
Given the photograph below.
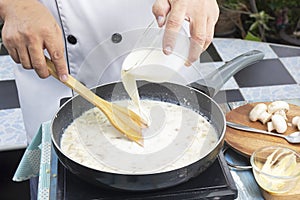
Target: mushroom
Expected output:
[296,121]
[282,113]
[259,112]
[279,107]
[278,123]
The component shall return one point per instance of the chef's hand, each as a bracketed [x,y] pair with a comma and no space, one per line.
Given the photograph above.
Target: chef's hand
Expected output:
[202,15]
[28,29]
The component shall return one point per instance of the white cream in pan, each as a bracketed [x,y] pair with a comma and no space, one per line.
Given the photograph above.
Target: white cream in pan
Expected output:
[177,137]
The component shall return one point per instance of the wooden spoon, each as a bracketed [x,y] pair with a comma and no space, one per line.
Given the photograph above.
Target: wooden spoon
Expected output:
[126,121]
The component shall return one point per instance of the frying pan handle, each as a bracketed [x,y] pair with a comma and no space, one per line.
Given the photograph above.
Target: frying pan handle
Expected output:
[216,79]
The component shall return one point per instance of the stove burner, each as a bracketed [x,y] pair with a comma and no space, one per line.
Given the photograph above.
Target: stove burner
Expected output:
[214,183]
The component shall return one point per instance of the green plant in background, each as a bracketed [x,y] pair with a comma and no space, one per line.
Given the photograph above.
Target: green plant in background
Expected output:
[262,20]
[259,26]
[278,7]
[284,21]
[253,24]
[233,10]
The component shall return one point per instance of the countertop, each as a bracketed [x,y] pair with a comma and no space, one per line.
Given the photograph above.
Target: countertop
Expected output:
[276,77]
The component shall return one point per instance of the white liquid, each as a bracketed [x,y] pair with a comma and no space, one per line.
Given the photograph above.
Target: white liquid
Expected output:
[150,65]
[154,66]
[176,133]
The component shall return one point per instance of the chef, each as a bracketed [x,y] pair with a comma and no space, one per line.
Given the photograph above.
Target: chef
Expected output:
[83,37]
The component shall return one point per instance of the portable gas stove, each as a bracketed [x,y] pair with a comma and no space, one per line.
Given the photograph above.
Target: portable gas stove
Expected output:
[214,183]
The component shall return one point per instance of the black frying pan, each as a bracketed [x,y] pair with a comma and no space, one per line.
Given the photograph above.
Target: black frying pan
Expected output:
[166,92]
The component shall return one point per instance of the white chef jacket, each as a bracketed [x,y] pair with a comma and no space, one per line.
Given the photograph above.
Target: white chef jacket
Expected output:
[92,57]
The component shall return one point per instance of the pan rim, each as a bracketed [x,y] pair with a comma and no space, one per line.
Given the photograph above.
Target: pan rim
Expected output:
[218,143]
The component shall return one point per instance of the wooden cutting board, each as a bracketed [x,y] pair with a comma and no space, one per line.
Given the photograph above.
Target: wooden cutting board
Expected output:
[246,142]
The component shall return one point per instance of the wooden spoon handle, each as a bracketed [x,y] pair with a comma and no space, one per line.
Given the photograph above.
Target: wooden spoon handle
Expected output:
[78,87]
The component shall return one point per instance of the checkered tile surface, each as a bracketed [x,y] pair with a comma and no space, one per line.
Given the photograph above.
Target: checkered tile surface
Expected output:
[276,77]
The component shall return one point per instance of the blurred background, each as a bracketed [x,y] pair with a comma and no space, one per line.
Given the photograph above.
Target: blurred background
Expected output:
[274,21]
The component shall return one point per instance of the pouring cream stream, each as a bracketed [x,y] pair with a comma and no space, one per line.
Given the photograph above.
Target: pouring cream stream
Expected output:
[151,65]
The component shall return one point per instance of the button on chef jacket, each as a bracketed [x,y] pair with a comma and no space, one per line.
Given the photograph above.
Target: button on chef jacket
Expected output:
[97,35]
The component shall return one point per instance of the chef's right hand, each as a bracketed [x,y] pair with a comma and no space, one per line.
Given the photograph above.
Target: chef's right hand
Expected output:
[202,16]
[28,29]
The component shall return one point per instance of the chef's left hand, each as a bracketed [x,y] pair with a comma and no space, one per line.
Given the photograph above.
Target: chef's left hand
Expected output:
[202,15]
